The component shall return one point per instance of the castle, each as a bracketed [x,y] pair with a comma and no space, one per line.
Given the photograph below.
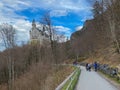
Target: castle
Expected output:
[39,34]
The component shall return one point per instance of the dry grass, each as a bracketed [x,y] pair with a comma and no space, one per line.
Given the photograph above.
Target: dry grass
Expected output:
[58,76]
[106,56]
[41,77]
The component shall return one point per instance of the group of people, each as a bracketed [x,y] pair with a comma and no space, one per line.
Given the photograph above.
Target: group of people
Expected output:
[89,66]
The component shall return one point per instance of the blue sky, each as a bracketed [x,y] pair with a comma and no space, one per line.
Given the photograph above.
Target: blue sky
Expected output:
[67,15]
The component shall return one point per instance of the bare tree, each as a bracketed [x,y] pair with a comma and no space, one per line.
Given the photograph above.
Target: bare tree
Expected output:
[111,18]
[47,23]
[7,33]
[97,8]
[106,9]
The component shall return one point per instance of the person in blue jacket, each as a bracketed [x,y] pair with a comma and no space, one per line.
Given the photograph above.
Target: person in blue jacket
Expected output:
[95,66]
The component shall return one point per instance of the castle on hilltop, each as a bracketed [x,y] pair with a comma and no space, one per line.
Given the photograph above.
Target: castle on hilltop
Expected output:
[39,33]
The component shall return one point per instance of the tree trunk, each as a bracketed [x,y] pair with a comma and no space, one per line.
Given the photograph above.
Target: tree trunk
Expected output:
[10,73]
[112,29]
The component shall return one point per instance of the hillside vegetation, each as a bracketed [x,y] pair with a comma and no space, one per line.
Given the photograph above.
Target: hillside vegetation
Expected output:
[99,39]
[35,67]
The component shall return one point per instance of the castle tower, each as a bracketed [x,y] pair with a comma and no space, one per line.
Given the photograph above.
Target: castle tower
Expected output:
[33,24]
[37,34]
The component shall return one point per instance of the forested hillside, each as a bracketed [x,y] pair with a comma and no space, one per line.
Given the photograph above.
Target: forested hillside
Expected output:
[100,37]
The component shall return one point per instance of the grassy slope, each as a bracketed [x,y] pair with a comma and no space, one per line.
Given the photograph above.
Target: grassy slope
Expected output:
[106,55]
[41,77]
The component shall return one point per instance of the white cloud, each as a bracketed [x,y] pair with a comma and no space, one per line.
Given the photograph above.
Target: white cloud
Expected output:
[16,4]
[58,13]
[57,8]
[63,30]
[23,27]
[8,15]
[86,18]
[62,7]
[78,28]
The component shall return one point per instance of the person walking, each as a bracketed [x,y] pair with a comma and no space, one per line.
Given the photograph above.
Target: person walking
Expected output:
[95,66]
[87,66]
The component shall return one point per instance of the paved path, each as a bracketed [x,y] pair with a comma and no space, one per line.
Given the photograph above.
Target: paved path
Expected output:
[92,81]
